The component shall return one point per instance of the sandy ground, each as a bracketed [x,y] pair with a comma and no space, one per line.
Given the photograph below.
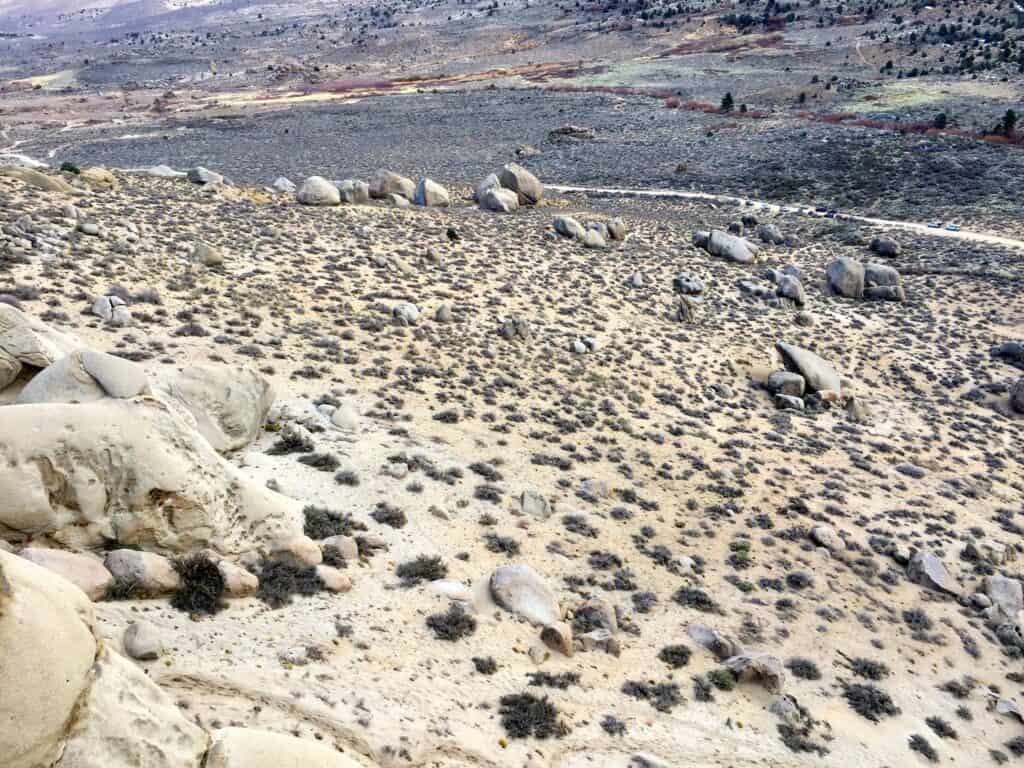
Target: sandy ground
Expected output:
[667,417]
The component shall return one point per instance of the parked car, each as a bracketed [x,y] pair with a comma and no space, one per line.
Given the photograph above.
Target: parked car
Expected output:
[953,227]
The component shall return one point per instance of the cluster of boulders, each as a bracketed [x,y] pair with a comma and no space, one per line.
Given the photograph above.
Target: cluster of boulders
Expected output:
[519,589]
[504,192]
[1012,353]
[785,287]
[805,380]
[97,451]
[854,279]
[596,234]
[726,246]
[386,186]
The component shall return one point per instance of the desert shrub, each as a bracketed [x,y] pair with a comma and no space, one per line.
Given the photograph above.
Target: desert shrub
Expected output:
[280,581]
[662,696]
[486,471]
[125,588]
[644,601]
[524,715]
[920,745]
[869,669]
[325,462]
[347,477]
[202,586]
[698,599]
[702,689]
[804,669]
[388,514]
[322,523]
[723,679]
[502,544]
[798,739]
[941,728]
[869,701]
[453,624]
[291,442]
[485,665]
[422,568]
[917,619]
[799,580]
[561,681]
[488,492]
[675,656]
[613,726]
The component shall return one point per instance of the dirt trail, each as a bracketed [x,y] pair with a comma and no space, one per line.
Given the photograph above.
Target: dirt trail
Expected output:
[978,237]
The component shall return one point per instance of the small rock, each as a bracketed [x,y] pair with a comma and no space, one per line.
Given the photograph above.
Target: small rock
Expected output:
[142,642]
[558,637]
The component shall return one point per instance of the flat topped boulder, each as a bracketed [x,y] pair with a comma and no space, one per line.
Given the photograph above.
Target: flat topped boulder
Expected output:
[386,183]
[520,589]
[818,374]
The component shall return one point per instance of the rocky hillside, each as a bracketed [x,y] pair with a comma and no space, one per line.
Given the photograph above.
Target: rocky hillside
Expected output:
[390,472]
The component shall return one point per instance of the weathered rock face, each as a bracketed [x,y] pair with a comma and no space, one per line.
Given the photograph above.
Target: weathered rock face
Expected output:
[523,183]
[252,748]
[818,374]
[845,277]
[520,589]
[229,405]
[126,720]
[25,341]
[316,190]
[130,472]
[386,183]
[85,376]
[41,681]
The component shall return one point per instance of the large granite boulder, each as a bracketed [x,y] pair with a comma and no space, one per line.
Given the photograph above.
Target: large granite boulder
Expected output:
[129,471]
[26,341]
[818,374]
[386,183]
[47,649]
[527,186]
[316,190]
[845,277]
